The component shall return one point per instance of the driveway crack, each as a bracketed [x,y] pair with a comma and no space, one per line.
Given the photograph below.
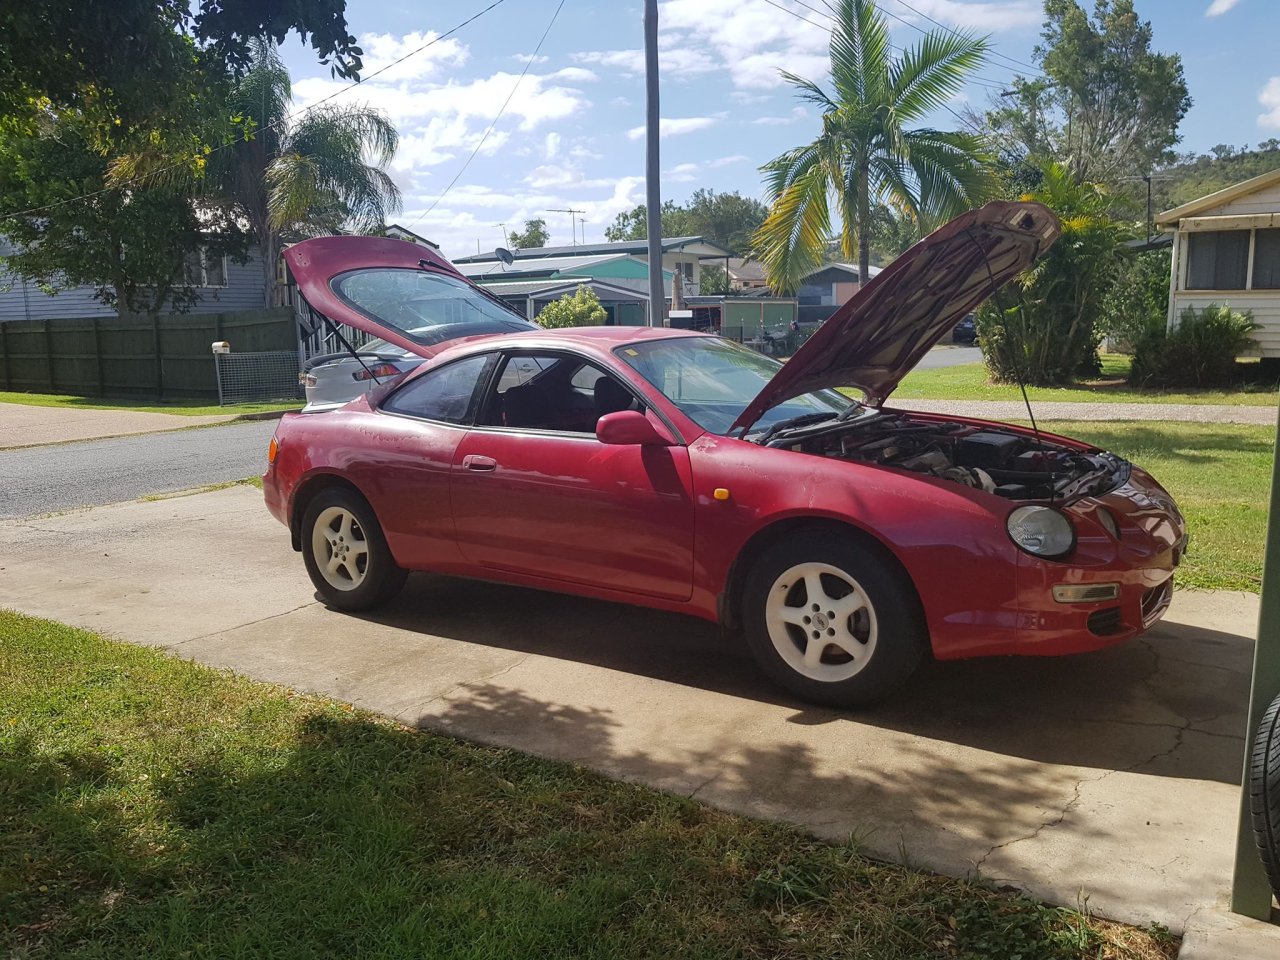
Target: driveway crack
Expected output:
[241,626]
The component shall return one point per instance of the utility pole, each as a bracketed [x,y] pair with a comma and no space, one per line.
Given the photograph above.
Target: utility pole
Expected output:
[653,193]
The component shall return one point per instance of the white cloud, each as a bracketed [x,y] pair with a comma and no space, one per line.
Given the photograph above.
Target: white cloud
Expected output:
[982,17]
[682,173]
[381,49]
[574,75]
[528,58]
[1219,7]
[674,127]
[551,145]
[727,161]
[797,113]
[1269,97]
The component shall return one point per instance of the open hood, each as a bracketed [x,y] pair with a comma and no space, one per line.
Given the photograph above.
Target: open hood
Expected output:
[875,339]
[402,292]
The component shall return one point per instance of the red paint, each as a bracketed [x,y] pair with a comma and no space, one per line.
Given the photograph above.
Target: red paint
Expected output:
[640,523]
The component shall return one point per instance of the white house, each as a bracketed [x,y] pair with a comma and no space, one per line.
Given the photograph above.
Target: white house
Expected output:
[1226,250]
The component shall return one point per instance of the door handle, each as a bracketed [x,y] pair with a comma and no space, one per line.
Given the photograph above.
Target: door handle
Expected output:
[473,461]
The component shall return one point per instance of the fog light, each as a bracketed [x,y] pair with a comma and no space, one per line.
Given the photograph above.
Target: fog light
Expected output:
[1085,592]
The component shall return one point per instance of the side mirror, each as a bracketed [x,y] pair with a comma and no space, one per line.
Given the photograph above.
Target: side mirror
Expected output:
[629,427]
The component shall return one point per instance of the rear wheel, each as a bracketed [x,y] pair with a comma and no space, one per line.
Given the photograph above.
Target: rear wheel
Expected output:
[832,622]
[345,553]
[1264,792]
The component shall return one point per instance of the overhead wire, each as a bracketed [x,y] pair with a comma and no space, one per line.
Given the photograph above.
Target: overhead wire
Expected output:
[493,123]
[245,136]
[921,13]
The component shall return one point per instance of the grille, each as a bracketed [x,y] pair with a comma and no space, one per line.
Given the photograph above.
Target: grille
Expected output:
[242,377]
[1105,622]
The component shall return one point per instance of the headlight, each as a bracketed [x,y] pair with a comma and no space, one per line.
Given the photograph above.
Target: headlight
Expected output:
[1041,531]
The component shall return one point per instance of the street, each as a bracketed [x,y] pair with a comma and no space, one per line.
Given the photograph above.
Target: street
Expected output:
[57,477]
[949,357]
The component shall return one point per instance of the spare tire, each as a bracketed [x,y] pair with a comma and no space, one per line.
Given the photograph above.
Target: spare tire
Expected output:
[1264,792]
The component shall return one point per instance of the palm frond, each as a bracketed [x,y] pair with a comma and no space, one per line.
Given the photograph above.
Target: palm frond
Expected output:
[790,241]
[859,52]
[932,72]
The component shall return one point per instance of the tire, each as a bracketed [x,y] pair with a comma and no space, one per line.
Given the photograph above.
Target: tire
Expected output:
[340,523]
[1264,792]
[867,609]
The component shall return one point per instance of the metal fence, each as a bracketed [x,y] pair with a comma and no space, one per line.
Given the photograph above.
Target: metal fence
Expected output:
[265,375]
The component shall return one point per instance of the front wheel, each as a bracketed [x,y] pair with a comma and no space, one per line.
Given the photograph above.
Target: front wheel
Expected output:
[1264,792]
[346,555]
[834,623]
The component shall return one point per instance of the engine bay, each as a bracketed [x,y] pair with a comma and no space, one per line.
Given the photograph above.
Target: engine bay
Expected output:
[1001,462]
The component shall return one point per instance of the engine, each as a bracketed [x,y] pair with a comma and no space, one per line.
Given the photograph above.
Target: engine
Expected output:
[1004,463]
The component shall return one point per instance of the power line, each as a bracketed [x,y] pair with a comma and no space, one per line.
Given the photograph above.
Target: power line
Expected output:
[245,136]
[1014,60]
[494,122]
[989,82]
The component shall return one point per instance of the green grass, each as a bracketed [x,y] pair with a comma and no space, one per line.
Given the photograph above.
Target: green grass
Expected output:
[183,408]
[151,807]
[1220,475]
[969,382]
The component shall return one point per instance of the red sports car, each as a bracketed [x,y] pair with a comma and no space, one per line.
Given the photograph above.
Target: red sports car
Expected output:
[842,539]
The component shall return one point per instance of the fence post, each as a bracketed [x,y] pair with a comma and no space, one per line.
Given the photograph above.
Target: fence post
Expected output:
[97,357]
[155,330]
[48,354]
[4,350]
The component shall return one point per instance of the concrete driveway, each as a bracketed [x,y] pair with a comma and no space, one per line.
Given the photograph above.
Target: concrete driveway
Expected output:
[1111,776]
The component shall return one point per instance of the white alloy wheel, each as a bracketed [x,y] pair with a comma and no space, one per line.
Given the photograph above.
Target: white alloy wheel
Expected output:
[340,549]
[821,622]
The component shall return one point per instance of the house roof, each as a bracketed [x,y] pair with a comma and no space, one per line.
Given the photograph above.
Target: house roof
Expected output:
[848,268]
[741,269]
[555,287]
[404,233]
[1170,218]
[694,245]
[549,265]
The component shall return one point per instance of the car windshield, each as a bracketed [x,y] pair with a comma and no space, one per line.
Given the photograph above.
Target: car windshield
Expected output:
[425,306]
[712,380]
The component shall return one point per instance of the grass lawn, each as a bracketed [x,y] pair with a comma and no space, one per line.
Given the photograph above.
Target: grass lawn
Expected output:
[1219,474]
[150,807]
[185,408]
[969,382]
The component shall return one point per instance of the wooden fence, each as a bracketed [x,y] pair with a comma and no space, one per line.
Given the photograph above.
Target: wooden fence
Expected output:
[133,356]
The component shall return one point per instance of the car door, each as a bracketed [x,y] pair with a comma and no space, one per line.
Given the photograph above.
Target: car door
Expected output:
[535,493]
[419,429]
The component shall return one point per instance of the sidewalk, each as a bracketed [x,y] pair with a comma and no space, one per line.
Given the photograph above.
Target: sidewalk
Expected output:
[23,425]
[1058,410]
[1112,776]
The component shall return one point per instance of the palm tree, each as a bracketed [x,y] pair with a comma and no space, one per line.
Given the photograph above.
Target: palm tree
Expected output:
[306,175]
[866,155]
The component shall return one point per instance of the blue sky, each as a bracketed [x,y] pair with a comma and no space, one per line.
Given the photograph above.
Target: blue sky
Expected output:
[571,136]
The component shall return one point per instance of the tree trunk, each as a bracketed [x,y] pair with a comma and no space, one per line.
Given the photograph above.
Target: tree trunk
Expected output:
[864,228]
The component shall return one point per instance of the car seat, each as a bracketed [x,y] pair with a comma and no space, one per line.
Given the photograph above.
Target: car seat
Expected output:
[611,397]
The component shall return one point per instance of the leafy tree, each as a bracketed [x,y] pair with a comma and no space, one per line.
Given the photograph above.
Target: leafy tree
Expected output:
[132,246]
[310,175]
[1041,329]
[1138,299]
[866,152]
[535,235]
[716,282]
[1110,106]
[582,309]
[727,219]
[135,61]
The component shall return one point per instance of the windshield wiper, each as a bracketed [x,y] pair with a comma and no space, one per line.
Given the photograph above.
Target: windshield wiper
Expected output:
[803,419]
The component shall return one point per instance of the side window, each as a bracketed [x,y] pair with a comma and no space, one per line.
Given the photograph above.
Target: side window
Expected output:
[554,392]
[444,394]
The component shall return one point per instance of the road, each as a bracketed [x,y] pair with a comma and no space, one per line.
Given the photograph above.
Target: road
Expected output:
[949,357]
[59,477]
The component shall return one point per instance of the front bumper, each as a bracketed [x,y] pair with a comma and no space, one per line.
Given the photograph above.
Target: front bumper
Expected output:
[1141,560]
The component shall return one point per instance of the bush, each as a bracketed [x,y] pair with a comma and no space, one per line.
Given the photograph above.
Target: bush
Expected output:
[583,309]
[1137,299]
[1040,328]
[1200,351]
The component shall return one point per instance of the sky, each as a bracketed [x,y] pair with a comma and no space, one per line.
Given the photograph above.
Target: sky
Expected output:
[571,135]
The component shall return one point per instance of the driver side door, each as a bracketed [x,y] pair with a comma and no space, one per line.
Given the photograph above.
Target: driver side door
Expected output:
[534,492]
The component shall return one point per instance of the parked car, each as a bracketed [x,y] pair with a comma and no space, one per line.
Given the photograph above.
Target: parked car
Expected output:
[966,331]
[400,286]
[845,540]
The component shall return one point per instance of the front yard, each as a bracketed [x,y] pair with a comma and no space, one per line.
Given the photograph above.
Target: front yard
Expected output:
[969,382]
[152,807]
[186,408]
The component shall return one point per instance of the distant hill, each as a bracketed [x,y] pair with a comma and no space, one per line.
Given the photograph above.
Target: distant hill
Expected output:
[1195,175]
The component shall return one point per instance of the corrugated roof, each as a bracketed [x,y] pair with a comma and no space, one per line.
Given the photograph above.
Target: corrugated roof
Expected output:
[548,265]
[528,288]
[586,249]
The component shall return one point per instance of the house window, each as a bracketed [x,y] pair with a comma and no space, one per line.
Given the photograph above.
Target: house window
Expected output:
[1218,260]
[204,269]
[1266,260]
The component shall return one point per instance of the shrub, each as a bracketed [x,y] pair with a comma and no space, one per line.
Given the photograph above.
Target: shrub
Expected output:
[1137,299]
[582,309]
[1200,351]
[1040,328]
